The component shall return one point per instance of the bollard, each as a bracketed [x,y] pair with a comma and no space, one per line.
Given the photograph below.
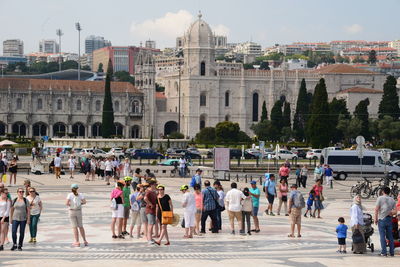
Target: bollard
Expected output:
[257,162]
[331,183]
[260,180]
[238,161]
[237,177]
[229,176]
[140,161]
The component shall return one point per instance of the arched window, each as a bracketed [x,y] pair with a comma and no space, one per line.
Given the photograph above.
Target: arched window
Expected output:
[255,107]
[39,104]
[116,106]
[2,129]
[78,104]
[78,129]
[39,129]
[170,127]
[227,117]
[19,129]
[136,106]
[203,99]
[227,99]
[149,81]
[202,68]
[19,103]
[135,132]
[118,128]
[59,129]
[59,104]
[202,121]
[98,105]
[96,129]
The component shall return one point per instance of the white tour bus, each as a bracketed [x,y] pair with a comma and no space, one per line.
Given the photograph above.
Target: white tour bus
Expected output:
[347,162]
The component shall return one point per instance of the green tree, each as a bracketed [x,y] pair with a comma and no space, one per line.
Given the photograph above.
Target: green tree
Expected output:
[389,104]
[337,107]
[69,64]
[176,135]
[372,57]
[124,76]
[317,128]
[301,114]
[264,65]
[265,131]
[361,113]
[351,128]
[108,111]
[286,115]
[100,67]
[264,113]
[227,131]
[243,137]
[248,66]
[206,135]
[276,115]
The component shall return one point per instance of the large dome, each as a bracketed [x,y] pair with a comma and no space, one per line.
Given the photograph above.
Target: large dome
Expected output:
[199,34]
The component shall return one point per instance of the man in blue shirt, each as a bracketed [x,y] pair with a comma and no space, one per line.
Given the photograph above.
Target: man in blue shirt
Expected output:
[210,200]
[255,197]
[270,193]
[328,174]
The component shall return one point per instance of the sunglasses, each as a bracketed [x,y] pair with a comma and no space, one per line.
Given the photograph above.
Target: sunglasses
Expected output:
[21,191]
[31,191]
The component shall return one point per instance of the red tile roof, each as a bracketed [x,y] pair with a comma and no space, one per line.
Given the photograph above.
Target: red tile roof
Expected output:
[65,85]
[361,90]
[342,68]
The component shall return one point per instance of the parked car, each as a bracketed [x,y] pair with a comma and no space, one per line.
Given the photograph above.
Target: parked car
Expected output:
[395,155]
[128,152]
[98,153]
[171,162]
[146,153]
[185,153]
[300,152]
[255,152]
[314,154]
[237,153]
[116,151]
[284,154]
[86,151]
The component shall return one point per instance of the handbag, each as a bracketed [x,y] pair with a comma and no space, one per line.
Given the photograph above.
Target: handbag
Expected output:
[357,237]
[167,217]
[322,198]
[113,205]
[284,198]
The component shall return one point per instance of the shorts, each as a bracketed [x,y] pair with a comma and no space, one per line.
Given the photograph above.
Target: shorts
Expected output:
[151,218]
[235,214]
[189,218]
[341,241]
[255,211]
[126,212]
[309,207]
[71,168]
[295,216]
[143,217]
[199,211]
[270,198]
[136,218]
[6,219]
[108,173]
[75,216]
[101,172]
[119,212]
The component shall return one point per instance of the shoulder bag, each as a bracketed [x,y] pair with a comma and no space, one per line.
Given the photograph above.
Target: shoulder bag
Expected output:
[217,205]
[167,217]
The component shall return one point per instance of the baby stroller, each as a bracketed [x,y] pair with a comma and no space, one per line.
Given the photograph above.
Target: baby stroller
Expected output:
[368,230]
[396,237]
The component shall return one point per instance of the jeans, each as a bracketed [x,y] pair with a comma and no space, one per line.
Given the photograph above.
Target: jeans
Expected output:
[303,181]
[182,172]
[385,232]
[219,219]
[21,225]
[213,216]
[33,225]
[246,216]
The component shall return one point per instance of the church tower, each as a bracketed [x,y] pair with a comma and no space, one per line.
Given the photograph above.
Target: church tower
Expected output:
[145,81]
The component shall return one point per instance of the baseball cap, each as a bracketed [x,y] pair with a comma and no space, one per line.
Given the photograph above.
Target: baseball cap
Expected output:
[74,186]
[184,187]
[253,182]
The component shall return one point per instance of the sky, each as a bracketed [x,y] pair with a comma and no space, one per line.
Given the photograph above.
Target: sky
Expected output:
[129,22]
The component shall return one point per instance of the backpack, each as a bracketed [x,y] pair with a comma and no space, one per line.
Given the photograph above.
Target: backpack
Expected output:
[298,200]
[76,203]
[135,205]
[113,205]
[25,200]
[193,181]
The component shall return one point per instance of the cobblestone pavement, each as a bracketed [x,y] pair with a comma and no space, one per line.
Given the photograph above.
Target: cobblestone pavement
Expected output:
[271,246]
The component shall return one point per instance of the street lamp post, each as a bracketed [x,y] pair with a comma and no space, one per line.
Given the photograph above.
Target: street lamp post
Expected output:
[79,28]
[59,34]
[179,96]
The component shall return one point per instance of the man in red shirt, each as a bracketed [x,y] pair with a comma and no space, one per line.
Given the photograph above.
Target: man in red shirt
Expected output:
[151,200]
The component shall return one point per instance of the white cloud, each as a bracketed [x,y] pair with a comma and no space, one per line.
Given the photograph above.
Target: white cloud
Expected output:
[353,29]
[165,29]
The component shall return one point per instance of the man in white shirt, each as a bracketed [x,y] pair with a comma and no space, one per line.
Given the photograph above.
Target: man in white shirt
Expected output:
[233,203]
[71,165]
[109,170]
[189,205]
[57,166]
[182,166]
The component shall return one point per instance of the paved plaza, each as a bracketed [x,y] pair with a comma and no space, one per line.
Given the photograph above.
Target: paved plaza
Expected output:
[270,247]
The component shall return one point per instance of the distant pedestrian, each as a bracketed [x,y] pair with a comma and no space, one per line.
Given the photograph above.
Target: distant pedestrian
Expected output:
[127,171]
[284,172]
[233,203]
[296,203]
[196,179]
[255,196]
[33,153]
[164,203]
[318,198]
[198,196]
[182,167]
[385,208]
[137,178]
[303,175]
[74,203]
[5,206]
[283,190]
[328,175]
[298,175]
[13,168]
[317,172]
[135,203]
[71,166]
[108,170]
[151,206]
[57,166]
[210,198]
[357,225]
[247,208]
[310,201]
[270,193]
[117,200]
[20,217]
[189,214]
[341,231]
[221,203]
[127,204]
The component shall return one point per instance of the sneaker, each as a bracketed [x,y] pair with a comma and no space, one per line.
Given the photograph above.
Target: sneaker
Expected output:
[1,247]
[31,240]
[19,248]
[305,215]
[248,233]
[34,240]
[242,232]
[14,247]
[272,214]
[266,212]
[344,251]
[338,251]
[383,255]
[287,214]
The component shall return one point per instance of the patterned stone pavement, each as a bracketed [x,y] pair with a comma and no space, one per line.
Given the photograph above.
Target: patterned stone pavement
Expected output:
[271,246]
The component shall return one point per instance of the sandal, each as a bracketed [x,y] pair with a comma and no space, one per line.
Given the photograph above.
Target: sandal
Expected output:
[167,244]
[298,236]
[76,244]
[290,235]
[185,236]
[114,236]
[86,243]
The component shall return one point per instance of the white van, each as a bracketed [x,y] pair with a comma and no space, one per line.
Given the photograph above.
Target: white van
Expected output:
[346,162]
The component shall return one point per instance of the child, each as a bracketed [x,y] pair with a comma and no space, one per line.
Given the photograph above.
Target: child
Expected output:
[310,201]
[341,231]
